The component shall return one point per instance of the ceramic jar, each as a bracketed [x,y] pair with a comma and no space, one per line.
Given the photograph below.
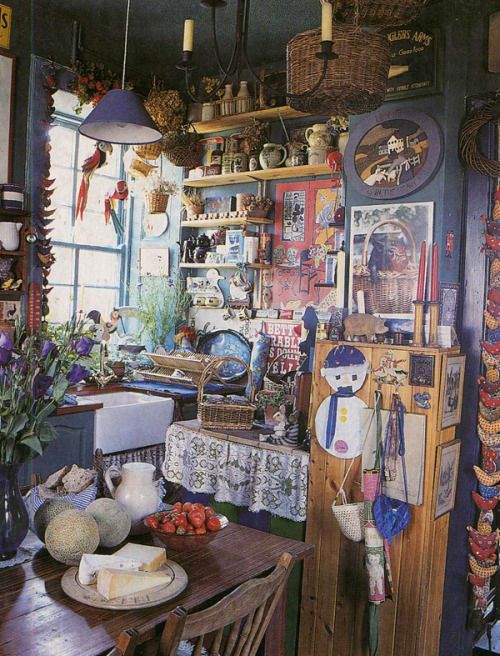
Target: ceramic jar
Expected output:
[9,236]
[297,156]
[253,162]
[316,155]
[318,136]
[272,155]
[227,104]
[207,111]
[137,492]
[244,102]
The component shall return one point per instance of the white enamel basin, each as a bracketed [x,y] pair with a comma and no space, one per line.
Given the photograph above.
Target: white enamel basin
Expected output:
[130,420]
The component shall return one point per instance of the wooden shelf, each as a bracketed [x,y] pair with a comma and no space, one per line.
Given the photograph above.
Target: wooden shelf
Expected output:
[12,215]
[225,265]
[7,293]
[308,171]
[243,120]
[12,253]
[221,223]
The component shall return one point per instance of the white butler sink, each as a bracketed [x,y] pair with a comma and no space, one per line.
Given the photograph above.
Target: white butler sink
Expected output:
[130,420]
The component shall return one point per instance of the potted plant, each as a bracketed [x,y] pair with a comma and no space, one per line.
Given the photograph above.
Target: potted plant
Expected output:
[35,372]
[270,401]
[193,203]
[161,307]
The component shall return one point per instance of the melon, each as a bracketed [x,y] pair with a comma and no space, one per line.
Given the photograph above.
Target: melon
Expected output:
[47,511]
[112,519]
[71,534]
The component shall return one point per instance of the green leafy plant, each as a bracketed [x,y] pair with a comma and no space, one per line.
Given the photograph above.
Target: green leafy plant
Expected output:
[35,372]
[161,307]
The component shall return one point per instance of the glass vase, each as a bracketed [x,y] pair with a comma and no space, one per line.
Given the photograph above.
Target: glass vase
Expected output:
[13,514]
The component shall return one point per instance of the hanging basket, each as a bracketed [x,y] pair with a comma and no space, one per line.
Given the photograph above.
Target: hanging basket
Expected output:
[156,202]
[183,149]
[378,13]
[355,83]
[139,168]
[469,136]
[392,291]
[149,151]
[350,518]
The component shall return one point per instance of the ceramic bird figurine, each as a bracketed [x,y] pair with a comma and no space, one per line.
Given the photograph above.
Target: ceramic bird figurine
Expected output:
[89,167]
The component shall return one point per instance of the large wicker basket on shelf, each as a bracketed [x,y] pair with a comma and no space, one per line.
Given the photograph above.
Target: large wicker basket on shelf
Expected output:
[225,415]
[355,83]
[380,13]
[392,291]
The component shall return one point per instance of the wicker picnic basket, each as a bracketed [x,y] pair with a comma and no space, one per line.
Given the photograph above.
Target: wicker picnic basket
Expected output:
[183,148]
[355,83]
[392,292]
[378,13]
[222,414]
[149,151]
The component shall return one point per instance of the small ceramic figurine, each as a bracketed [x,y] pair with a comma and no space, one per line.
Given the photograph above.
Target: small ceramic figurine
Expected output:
[239,288]
[279,417]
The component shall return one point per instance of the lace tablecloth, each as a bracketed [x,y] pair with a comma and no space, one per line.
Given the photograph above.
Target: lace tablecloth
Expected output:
[248,475]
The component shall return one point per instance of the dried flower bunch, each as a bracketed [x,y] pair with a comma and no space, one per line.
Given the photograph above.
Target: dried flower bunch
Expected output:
[92,83]
[337,124]
[254,137]
[192,198]
[156,183]
[167,109]
[251,202]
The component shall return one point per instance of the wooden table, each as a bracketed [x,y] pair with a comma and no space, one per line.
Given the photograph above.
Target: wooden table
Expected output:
[38,619]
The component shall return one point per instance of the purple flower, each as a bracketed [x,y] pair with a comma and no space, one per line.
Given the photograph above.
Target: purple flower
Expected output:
[83,346]
[6,342]
[48,348]
[77,373]
[40,385]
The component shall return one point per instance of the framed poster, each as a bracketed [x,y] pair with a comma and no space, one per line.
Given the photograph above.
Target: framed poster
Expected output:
[452,390]
[385,249]
[416,62]
[445,481]
[393,154]
[305,242]
[448,298]
[7,69]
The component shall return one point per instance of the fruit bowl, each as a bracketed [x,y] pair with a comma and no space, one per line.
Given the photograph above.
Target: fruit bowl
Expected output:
[186,542]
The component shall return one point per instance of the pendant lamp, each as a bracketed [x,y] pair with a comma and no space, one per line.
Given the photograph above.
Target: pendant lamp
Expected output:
[120,116]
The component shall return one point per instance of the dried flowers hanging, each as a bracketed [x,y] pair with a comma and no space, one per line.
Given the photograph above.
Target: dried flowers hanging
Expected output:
[166,108]
[92,83]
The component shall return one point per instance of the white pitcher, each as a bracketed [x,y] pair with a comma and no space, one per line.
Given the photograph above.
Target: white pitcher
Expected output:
[137,492]
[9,235]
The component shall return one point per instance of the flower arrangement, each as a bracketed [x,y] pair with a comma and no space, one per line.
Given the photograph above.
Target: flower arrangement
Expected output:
[161,306]
[35,372]
[92,83]
[192,201]
[156,183]
[337,124]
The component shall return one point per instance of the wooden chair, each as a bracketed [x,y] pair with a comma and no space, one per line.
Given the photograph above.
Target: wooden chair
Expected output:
[235,625]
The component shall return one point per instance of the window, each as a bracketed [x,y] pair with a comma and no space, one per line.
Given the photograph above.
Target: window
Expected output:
[91,259]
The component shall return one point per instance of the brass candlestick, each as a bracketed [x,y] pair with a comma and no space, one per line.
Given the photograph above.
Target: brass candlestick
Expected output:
[433,321]
[418,326]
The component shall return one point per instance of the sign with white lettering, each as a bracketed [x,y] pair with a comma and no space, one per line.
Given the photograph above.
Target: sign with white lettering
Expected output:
[285,339]
[5,24]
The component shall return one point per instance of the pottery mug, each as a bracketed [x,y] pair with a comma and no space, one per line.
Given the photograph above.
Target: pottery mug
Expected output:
[272,155]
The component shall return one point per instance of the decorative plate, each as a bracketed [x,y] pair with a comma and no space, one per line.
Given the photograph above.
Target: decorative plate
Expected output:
[392,154]
[175,575]
[223,343]
[155,224]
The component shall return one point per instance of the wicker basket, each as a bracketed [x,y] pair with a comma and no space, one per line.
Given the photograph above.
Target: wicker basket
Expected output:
[378,13]
[149,151]
[350,518]
[183,149]
[392,292]
[355,83]
[139,168]
[156,202]
[225,415]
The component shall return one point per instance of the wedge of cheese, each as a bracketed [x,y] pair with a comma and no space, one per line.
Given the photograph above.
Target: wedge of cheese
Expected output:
[112,583]
[91,563]
[152,557]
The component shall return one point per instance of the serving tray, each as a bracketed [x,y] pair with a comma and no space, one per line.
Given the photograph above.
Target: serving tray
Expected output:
[88,594]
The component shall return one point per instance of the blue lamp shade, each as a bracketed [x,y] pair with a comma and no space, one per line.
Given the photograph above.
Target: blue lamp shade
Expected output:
[121,118]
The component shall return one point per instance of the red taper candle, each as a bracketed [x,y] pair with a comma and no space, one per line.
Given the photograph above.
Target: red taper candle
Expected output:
[435,274]
[421,272]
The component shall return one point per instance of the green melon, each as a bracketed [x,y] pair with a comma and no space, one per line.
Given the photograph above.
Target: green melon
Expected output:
[47,511]
[112,519]
[71,534]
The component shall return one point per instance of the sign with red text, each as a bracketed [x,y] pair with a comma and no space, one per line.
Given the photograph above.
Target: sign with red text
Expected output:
[286,337]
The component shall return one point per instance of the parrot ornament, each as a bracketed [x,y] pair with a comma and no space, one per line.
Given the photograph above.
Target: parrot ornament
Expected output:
[89,167]
[120,193]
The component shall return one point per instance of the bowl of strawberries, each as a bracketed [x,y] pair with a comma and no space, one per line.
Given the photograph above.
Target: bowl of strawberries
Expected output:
[186,526]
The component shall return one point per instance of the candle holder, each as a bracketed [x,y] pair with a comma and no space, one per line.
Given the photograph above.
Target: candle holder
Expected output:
[433,324]
[418,325]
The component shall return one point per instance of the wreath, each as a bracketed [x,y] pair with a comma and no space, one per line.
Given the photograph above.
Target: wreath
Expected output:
[468,143]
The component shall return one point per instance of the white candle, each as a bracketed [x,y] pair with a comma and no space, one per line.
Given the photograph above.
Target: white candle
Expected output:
[187,44]
[326,21]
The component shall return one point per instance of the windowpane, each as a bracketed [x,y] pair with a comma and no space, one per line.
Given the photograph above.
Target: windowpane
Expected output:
[63,194]
[63,269]
[62,226]
[94,231]
[103,300]
[62,142]
[60,304]
[98,268]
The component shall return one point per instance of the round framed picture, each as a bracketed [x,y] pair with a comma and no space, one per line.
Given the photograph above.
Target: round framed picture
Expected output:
[392,154]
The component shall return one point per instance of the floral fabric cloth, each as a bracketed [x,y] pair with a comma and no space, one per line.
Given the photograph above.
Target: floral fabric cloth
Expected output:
[241,474]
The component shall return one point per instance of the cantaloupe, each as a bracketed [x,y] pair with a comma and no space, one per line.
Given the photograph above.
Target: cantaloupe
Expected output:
[47,511]
[71,534]
[112,519]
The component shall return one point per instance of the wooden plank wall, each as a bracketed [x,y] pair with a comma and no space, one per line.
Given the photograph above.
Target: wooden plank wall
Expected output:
[334,594]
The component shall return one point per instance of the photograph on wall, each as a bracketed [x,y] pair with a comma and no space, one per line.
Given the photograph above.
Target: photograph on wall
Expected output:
[306,243]
[384,252]
[447,460]
[452,389]
[6,96]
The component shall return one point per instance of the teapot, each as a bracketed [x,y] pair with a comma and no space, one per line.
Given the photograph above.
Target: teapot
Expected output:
[9,235]
[137,492]
[318,136]
[269,157]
